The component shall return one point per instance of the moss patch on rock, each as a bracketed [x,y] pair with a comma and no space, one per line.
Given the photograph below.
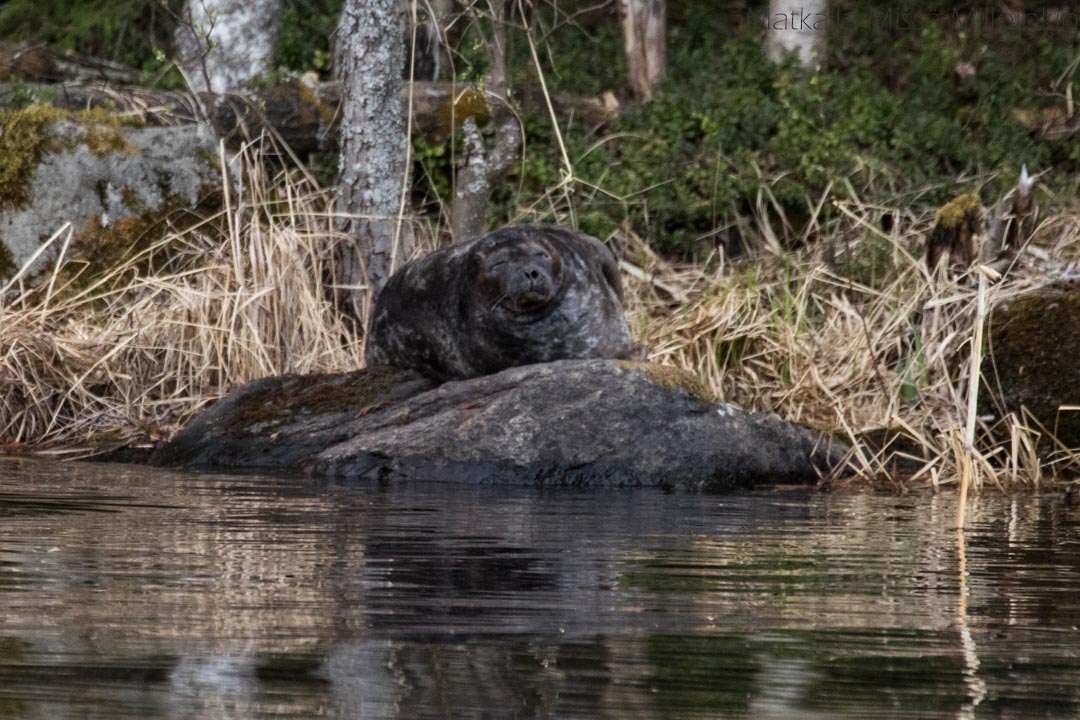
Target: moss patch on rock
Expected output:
[673,378]
[7,262]
[963,207]
[105,245]
[25,139]
[104,134]
[358,392]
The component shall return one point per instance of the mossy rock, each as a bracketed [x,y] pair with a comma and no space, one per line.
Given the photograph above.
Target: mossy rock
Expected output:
[114,182]
[1033,361]
[24,140]
[963,207]
[26,137]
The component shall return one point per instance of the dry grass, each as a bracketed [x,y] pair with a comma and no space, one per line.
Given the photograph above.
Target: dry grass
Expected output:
[886,366]
[125,354]
[127,357]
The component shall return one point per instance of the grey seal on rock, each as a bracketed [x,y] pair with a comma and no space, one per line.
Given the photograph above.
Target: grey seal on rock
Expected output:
[516,296]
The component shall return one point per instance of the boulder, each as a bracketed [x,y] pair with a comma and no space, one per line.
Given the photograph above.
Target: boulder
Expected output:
[111,181]
[1033,361]
[572,422]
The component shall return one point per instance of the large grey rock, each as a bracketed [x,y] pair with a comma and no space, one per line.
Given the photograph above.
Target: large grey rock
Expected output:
[577,422]
[1033,361]
[152,170]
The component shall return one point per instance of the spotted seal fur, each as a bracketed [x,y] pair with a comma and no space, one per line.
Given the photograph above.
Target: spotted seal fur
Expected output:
[516,296]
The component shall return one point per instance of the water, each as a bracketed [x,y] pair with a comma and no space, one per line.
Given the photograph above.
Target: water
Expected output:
[134,593]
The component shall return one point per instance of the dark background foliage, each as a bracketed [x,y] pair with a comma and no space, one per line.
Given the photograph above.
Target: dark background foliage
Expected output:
[909,108]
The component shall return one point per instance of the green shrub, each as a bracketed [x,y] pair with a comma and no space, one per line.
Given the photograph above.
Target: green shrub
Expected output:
[126,31]
[889,114]
[304,39]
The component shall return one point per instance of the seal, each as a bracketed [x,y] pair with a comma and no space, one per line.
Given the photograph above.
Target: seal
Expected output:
[516,296]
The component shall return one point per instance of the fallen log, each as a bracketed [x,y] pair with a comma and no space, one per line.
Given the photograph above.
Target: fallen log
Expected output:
[39,63]
[303,116]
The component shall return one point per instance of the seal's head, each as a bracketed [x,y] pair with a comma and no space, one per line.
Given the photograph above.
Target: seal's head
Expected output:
[516,276]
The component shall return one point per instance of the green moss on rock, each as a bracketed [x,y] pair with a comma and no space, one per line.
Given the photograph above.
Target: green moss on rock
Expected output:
[360,392]
[7,262]
[963,207]
[104,246]
[673,378]
[104,132]
[25,139]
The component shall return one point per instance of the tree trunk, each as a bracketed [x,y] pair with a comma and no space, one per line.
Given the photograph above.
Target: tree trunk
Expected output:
[797,27]
[223,45]
[483,167]
[441,14]
[644,25]
[374,153]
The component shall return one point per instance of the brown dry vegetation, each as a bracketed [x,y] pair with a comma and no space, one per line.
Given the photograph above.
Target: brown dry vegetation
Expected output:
[884,366]
[127,357]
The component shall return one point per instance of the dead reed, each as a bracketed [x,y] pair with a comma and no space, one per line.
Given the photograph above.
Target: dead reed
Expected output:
[87,357]
[886,358]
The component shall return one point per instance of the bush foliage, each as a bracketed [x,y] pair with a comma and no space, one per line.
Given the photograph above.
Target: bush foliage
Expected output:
[907,108]
[890,114]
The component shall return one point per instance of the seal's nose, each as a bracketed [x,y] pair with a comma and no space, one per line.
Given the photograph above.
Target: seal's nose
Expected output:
[532,273]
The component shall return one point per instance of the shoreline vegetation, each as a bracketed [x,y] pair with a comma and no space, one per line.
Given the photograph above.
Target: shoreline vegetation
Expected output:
[771,233]
[126,357]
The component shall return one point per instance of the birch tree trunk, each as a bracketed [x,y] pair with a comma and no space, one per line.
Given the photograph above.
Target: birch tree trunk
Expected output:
[374,153]
[797,26]
[644,25]
[223,45]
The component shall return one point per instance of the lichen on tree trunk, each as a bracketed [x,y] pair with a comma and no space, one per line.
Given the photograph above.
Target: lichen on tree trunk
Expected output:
[482,168]
[374,152]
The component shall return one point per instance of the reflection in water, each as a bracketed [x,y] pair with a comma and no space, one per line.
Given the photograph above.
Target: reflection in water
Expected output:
[128,592]
[975,684]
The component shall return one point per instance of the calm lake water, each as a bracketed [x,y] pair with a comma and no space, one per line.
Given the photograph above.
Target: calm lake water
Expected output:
[134,593]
